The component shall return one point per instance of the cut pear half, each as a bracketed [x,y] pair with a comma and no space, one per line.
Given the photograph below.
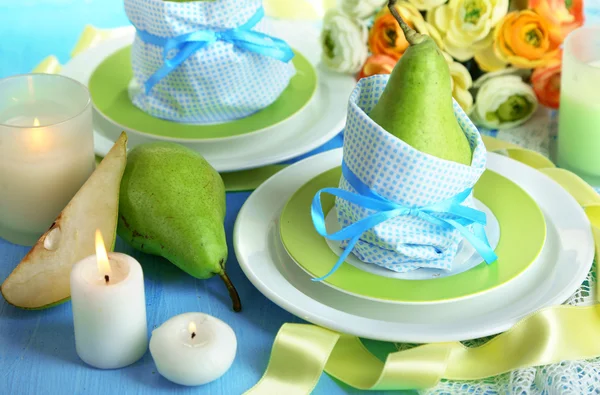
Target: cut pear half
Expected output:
[42,278]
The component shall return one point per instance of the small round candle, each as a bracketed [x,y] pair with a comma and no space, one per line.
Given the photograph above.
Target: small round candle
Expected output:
[193,348]
[109,309]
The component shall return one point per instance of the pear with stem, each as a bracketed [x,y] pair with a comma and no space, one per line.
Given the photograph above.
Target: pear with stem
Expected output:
[416,105]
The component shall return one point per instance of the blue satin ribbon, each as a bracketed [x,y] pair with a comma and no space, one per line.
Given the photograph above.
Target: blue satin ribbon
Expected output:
[384,210]
[242,37]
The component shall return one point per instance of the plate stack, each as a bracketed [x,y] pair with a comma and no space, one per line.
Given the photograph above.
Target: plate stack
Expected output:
[310,111]
[541,236]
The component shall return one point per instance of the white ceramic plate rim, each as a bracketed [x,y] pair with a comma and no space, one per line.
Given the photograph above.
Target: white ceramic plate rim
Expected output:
[556,289]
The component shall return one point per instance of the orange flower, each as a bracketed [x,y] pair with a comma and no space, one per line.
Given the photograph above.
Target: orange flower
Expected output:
[386,37]
[522,38]
[546,82]
[564,16]
[377,64]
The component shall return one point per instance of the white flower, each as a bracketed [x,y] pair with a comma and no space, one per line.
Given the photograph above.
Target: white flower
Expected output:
[503,100]
[425,5]
[344,42]
[466,25]
[362,9]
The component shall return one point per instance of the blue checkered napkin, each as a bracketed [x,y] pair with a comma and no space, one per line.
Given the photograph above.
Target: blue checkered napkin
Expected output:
[218,83]
[405,176]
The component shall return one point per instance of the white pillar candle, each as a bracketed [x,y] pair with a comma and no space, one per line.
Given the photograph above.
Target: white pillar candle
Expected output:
[193,348]
[46,151]
[109,309]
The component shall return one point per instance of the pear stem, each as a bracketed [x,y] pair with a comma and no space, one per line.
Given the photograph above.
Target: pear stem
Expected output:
[411,35]
[235,298]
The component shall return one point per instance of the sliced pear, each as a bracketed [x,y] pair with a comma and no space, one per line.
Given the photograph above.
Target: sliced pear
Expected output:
[42,279]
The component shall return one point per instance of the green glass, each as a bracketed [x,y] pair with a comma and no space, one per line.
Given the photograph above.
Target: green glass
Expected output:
[579,115]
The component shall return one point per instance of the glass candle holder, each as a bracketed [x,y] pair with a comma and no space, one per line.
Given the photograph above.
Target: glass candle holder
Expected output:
[578,148]
[46,151]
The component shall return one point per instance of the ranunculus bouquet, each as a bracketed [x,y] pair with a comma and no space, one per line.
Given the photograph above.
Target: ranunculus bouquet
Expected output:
[512,48]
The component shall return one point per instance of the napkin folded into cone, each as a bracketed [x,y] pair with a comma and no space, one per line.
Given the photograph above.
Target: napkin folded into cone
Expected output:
[401,174]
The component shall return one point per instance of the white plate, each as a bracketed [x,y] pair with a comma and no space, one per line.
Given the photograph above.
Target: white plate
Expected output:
[566,259]
[317,123]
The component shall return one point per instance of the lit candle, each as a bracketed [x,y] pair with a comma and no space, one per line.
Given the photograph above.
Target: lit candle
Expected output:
[46,151]
[109,309]
[193,348]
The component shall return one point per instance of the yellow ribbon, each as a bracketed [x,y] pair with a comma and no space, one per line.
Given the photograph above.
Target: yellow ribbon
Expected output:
[302,352]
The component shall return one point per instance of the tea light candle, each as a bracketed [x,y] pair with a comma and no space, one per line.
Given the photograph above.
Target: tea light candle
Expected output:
[46,151]
[109,309]
[193,348]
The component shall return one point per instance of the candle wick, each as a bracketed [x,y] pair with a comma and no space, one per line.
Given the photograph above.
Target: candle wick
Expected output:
[106,278]
[193,335]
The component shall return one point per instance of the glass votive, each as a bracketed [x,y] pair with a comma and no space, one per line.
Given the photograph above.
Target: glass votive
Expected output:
[578,148]
[46,151]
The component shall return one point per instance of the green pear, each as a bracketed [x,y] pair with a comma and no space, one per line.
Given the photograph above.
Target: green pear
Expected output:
[416,104]
[42,278]
[172,204]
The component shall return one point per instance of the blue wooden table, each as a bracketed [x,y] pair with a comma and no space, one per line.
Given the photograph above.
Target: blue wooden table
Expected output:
[37,348]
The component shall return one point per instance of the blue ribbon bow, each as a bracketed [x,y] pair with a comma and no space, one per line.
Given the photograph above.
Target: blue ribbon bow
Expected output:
[385,209]
[242,37]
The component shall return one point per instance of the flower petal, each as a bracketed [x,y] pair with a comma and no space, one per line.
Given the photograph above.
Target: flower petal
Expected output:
[488,60]
[464,99]
[459,53]
[361,9]
[546,84]
[440,17]
[460,75]
[425,5]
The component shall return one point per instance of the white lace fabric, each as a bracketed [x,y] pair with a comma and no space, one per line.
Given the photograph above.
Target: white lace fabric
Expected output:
[567,377]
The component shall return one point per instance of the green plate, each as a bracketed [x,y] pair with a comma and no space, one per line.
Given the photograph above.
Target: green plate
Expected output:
[522,236]
[109,92]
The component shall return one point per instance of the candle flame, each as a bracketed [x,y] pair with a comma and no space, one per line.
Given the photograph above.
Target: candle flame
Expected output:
[39,140]
[192,327]
[101,256]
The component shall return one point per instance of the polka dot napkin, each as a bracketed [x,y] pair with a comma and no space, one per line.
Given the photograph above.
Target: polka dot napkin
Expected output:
[400,173]
[218,83]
